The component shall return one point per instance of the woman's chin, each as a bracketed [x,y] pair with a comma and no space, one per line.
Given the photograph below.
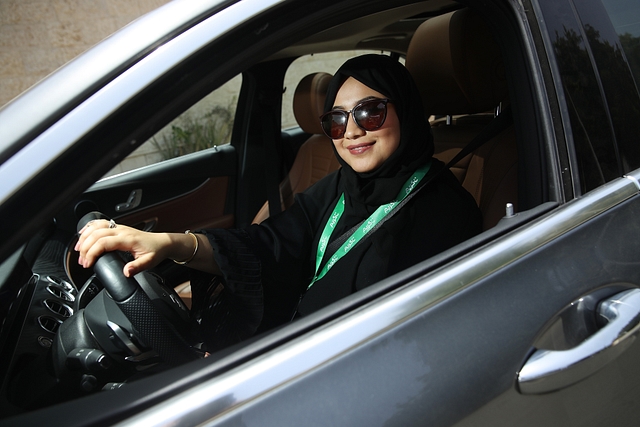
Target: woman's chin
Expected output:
[364,168]
[362,163]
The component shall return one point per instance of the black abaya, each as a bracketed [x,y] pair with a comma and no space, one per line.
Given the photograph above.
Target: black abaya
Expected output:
[268,267]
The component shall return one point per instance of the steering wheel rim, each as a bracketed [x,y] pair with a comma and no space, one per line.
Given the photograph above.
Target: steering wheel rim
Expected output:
[152,326]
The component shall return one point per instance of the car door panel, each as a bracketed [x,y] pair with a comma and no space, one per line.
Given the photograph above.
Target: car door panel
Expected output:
[202,207]
[189,192]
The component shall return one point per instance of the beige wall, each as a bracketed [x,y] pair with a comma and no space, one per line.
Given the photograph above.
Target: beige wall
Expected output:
[38,36]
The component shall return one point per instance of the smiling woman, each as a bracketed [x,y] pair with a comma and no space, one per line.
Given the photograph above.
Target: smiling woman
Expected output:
[379,157]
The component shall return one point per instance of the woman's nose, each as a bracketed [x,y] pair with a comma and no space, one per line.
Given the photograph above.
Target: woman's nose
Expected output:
[353,130]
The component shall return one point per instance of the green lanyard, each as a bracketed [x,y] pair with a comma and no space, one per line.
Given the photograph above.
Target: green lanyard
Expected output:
[364,228]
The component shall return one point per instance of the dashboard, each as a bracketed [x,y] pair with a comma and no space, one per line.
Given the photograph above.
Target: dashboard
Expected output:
[63,335]
[38,297]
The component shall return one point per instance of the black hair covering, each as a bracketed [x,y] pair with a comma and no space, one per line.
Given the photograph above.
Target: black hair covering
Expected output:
[389,77]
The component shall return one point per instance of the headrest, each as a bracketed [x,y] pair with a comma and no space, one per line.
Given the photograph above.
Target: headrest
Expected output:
[308,101]
[457,65]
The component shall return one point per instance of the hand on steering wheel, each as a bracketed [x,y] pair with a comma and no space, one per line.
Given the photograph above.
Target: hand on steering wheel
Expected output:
[100,236]
[98,243]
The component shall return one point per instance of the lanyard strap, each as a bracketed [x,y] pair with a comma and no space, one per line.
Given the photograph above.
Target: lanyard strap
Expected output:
[364,228]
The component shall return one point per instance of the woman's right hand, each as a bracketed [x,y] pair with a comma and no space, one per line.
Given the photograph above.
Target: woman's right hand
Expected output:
[148,249]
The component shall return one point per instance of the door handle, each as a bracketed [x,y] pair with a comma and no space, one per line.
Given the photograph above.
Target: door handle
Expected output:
[549,370]
[133,201]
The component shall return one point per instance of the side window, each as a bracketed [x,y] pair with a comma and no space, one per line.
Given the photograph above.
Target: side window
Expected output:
[598,88]
[621,63]
[207,123]
[625,17]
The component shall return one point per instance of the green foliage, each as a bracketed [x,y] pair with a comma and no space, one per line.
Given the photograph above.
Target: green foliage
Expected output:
[189,134]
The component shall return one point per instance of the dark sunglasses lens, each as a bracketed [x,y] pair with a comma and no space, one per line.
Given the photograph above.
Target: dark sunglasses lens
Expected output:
[334,123]
[370,115]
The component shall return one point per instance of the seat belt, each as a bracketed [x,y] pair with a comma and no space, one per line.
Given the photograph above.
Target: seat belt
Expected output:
[272,164]
[494,128]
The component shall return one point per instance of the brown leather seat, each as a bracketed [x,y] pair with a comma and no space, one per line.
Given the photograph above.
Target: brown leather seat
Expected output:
[460,74]
[315,158]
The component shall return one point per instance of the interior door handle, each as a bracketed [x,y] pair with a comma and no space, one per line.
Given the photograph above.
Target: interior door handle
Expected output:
[549,370]
[133,201]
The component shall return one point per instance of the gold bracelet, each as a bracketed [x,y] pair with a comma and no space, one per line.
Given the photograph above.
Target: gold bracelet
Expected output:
[195,251]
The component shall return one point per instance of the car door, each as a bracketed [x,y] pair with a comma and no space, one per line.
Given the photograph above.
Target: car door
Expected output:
[447,349]
[582,386]
[462,345]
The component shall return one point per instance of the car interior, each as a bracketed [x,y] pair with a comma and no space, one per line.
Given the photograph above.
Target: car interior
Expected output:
[468,70]
[315,158]
[467,88]
[460,73]
[463,82]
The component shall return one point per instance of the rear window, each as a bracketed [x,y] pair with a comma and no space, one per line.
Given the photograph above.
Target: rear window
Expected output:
[625,17]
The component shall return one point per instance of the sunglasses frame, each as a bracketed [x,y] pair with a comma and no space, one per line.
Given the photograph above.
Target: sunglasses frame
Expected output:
[348,113]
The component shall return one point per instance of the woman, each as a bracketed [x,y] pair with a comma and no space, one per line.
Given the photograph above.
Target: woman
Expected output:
[286,265]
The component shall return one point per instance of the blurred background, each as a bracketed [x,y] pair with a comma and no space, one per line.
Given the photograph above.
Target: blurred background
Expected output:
[39,36]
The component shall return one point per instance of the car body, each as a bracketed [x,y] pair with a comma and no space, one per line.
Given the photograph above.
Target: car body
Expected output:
[532,322]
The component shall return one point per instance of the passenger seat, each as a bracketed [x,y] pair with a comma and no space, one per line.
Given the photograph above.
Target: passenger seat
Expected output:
[460,74]
[315,158]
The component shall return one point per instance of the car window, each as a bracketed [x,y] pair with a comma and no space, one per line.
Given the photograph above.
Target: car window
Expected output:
[595,155]
[618,60]
[207,123]
[625,17]
[612,35]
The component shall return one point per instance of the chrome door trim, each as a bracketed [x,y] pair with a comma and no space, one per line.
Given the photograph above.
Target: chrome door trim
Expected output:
[220,397]
[49,145]
[635,178]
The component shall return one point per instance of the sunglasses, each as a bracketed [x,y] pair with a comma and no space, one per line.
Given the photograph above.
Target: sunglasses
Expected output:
[368,115]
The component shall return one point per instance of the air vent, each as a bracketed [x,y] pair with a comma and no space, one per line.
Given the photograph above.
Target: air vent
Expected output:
[49,323]
[60,293]
[58,308]
[61,283]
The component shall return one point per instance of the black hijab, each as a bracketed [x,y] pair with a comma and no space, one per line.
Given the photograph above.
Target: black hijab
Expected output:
[389,77]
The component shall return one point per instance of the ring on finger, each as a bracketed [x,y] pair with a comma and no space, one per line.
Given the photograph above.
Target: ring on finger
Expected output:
[112,224]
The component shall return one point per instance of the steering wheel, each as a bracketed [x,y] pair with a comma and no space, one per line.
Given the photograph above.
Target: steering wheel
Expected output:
[156,313]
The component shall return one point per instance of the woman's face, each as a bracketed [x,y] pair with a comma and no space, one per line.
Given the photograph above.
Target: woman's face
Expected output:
[365,151]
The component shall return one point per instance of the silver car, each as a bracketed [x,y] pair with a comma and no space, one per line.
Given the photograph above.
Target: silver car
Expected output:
[531,323]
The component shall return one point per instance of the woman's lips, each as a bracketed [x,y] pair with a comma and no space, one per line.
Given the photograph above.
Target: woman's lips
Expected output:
[360,148]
